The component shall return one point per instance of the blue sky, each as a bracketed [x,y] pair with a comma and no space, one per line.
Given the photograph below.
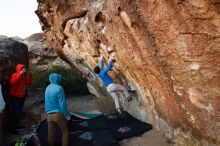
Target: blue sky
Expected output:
[17,18]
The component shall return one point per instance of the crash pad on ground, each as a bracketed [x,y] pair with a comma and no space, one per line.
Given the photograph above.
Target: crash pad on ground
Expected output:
[103,130]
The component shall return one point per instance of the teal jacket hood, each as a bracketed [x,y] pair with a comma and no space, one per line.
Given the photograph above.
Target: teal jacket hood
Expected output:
[55,78]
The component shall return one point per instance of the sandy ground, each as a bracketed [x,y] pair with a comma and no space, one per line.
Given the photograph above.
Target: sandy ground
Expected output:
[88,104]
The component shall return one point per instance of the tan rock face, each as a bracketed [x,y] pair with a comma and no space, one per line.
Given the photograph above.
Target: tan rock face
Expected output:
[167,50]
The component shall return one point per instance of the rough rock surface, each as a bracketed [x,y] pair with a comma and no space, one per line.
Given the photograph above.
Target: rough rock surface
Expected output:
[40,52]
[167,50]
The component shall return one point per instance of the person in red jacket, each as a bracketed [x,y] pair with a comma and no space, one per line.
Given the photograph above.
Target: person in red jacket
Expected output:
[19,82]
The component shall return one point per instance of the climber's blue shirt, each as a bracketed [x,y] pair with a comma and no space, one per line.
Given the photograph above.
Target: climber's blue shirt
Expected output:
[55,100]
[103,74]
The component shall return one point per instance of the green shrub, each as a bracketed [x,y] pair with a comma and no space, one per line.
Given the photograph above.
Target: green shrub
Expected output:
[71,80]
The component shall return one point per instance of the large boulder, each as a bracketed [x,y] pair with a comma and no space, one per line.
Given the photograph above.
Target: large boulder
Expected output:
[167,50]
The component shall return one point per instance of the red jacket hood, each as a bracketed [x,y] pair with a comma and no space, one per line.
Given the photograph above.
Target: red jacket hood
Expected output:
[19,67]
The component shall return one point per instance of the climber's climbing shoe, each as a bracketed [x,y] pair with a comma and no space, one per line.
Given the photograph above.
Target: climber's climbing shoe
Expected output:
[132,95]
[119,110]
[132,91]
[129,99]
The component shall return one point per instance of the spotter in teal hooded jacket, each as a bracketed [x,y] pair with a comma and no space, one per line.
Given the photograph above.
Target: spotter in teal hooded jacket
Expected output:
[55,100]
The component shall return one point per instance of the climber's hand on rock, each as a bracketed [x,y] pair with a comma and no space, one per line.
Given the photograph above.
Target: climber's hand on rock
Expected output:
[112,58]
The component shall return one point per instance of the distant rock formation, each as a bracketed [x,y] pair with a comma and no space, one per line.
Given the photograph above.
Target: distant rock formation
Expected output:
[167,50]
[41,53]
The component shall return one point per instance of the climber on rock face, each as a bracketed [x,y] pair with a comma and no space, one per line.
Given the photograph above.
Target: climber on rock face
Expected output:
[112,88]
